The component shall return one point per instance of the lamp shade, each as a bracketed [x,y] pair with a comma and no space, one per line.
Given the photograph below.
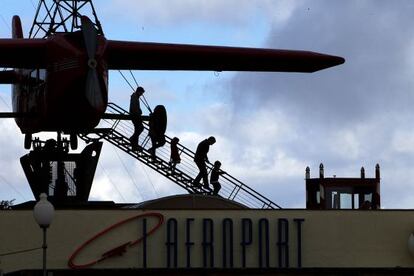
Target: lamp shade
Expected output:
[43,211]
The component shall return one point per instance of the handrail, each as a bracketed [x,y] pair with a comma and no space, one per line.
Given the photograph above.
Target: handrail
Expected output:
[186,171]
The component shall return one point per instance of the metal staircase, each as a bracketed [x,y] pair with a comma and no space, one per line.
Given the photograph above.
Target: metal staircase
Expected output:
[117,132]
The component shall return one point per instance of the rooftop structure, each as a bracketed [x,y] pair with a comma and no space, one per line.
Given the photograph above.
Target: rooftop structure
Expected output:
[325,193]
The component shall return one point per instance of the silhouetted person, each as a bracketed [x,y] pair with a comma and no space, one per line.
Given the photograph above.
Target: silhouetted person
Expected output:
[175,155]
[136,113]
[200,158]
[214,177]
[157,139]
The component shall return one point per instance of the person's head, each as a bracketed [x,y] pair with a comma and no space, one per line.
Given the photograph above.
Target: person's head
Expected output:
[139,90]
[217,164]
[211,140]
[175,140]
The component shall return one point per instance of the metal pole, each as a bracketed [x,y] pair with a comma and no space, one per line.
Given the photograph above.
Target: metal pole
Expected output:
[44,246]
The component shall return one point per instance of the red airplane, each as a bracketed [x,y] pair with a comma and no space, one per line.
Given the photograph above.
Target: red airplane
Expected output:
[60,83]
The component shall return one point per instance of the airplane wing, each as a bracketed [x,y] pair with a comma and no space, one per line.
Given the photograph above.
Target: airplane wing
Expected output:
[158,56]
[23,53]
[8,77]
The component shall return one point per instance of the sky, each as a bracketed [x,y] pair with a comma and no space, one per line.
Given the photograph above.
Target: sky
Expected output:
[269,126]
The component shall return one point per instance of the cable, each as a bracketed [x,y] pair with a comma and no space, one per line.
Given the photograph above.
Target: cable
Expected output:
[144,101]
[5,22]
[34,6]
[142,98]
[8,27]
[11,186]
[136,83]
[5,103]
[116,188]
[126,80]
[4,180]
[129,174]
[20,251]
[149,179]
[146,104]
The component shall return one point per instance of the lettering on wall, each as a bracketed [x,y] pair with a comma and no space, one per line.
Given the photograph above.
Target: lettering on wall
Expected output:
[219,244]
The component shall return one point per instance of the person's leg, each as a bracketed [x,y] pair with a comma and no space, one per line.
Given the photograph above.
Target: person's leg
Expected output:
[139,128]
[217,188]
[153,145]
[197,179]
[202,174]
[200,166]
[205,175]
[134,138]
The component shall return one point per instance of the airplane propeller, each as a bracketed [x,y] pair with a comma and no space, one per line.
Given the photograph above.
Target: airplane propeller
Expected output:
[92,89]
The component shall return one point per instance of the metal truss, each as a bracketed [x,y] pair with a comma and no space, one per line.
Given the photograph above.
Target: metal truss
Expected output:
[54,16]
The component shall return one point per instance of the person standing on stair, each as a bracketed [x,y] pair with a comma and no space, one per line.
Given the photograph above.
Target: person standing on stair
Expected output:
[136,113]
[174,154]
[157,139]
[200,158]
[214,177]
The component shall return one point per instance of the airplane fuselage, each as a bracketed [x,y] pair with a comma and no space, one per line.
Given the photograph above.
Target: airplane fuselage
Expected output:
[55,97]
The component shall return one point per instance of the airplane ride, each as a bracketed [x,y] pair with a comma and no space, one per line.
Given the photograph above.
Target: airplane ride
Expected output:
[60,82]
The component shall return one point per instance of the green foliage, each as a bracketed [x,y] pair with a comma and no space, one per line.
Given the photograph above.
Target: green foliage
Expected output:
[6,204]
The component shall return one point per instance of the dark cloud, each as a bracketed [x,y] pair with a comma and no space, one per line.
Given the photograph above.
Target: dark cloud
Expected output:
[372,38]
[347,116]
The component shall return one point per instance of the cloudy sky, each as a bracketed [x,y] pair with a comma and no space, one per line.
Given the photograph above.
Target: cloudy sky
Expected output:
[269,126]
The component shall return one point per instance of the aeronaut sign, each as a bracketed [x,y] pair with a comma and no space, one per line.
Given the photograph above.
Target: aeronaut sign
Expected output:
[197,238]
[157,240]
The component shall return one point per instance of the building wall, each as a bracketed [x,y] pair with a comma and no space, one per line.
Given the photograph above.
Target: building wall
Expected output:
[336,238]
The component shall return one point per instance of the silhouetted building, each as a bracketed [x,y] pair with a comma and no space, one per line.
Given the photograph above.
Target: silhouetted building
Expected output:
[342,192]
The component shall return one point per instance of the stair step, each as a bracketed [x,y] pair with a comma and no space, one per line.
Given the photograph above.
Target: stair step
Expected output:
[118,135]
[100,131]
[118,138]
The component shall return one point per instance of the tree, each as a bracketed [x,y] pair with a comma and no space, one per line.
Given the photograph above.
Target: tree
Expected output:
[6,204]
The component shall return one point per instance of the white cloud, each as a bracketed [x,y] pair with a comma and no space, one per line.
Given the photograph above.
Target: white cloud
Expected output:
[345,144]
[213,12]
[403,141]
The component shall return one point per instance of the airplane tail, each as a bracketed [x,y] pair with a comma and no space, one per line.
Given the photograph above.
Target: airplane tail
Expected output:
[19,52]
[17,30]
[10,76]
